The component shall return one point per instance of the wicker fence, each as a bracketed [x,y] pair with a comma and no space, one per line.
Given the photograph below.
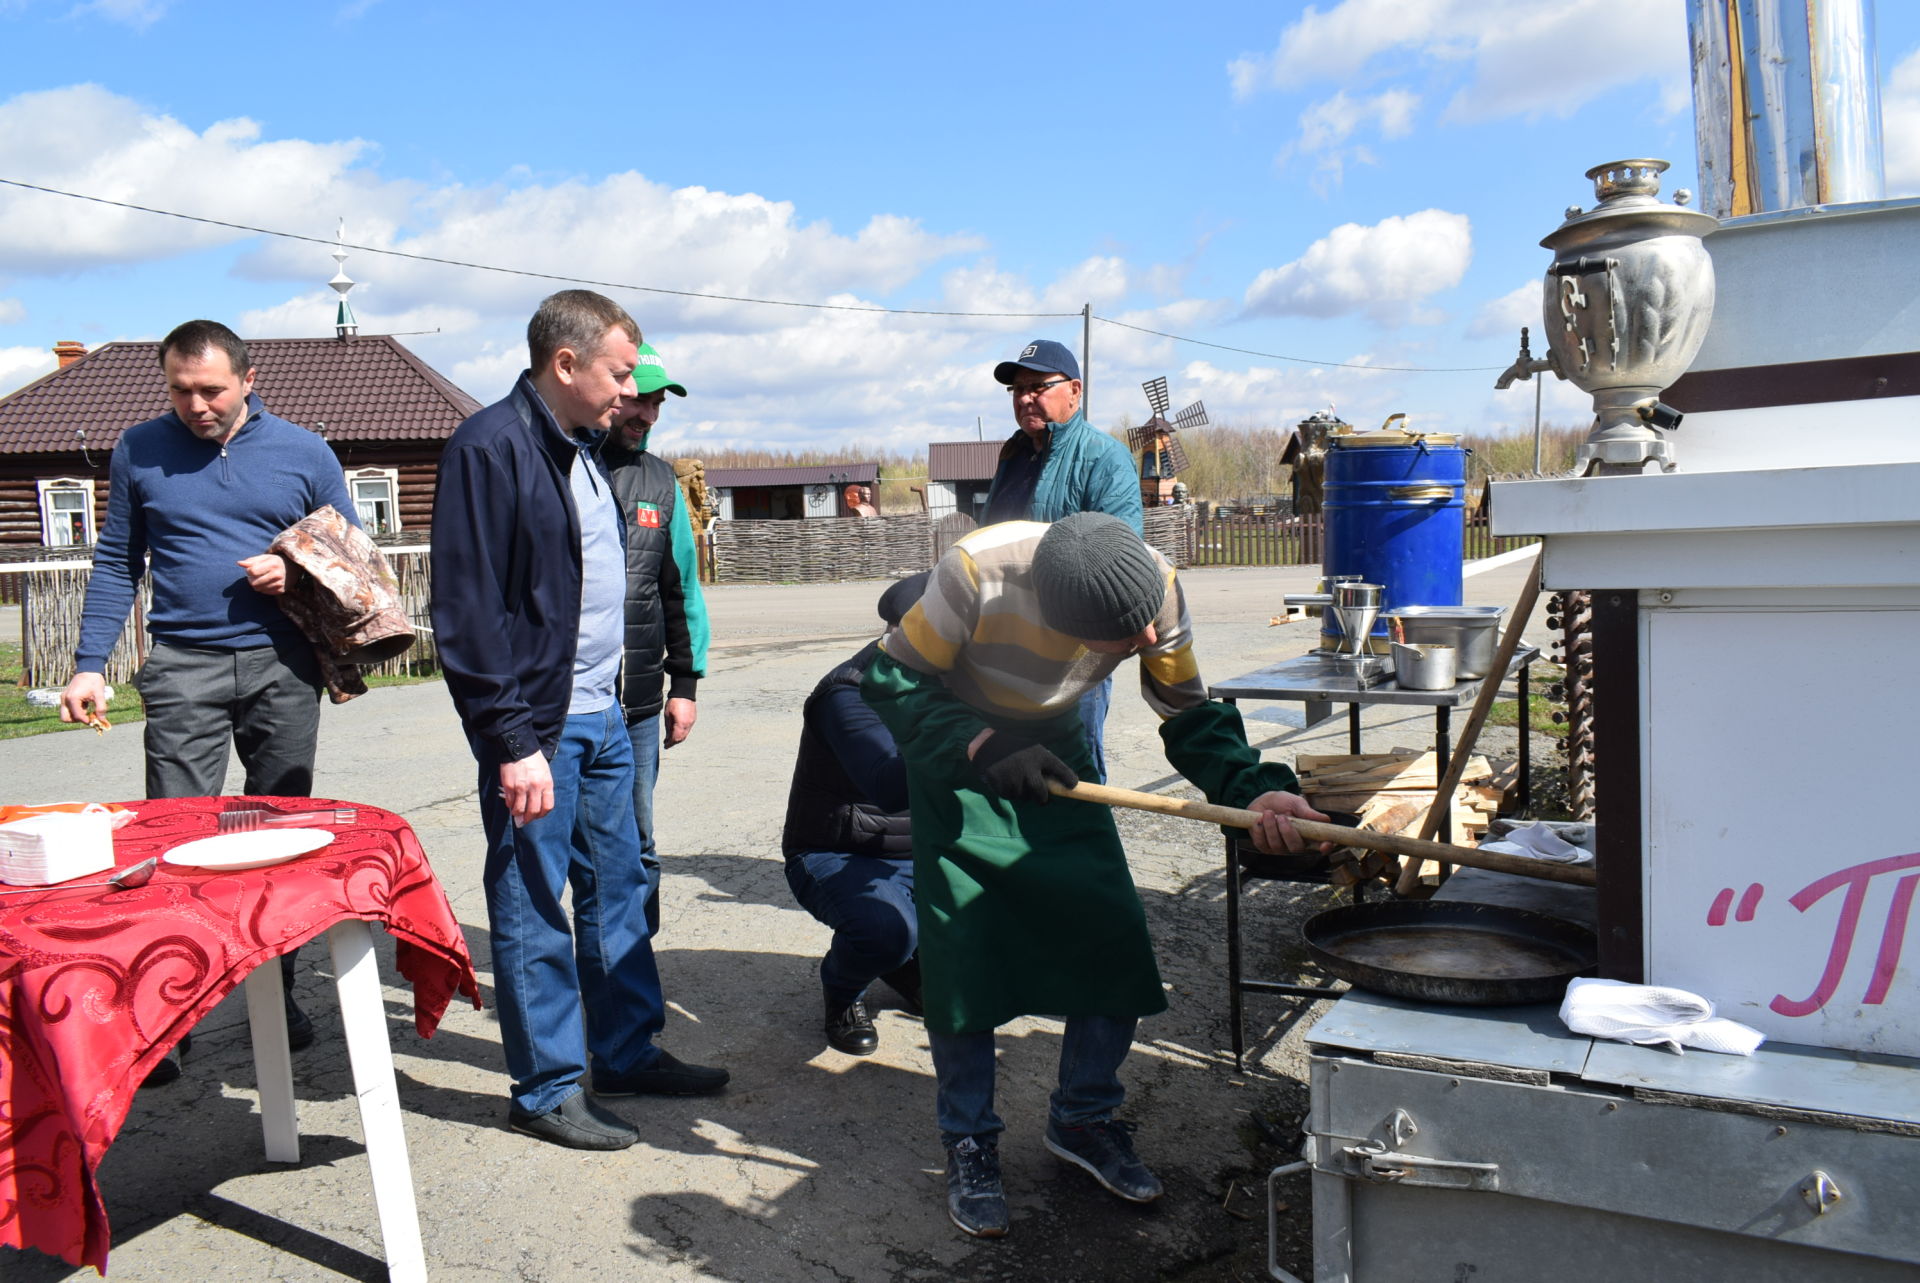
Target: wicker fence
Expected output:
[736,552]
[1301,541]
[802,552]
[51,600]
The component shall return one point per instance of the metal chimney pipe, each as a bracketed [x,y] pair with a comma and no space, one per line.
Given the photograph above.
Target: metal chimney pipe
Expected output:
[1786,102]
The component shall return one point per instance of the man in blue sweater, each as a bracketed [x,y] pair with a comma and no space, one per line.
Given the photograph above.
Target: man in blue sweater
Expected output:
[202,491]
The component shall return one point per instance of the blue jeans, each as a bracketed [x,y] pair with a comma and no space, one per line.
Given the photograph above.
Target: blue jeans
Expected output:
[543,973]
[646,770]
[1093,715]
[1089,1090]
[868,901]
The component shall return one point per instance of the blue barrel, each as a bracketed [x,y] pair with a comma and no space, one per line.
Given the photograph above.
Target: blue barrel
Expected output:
[1396,516]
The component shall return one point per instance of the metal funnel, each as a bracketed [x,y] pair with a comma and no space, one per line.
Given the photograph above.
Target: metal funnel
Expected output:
[1354,608]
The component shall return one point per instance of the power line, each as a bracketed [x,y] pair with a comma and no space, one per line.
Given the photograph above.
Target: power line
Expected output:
[516,271]
[1301,360]
[723,298]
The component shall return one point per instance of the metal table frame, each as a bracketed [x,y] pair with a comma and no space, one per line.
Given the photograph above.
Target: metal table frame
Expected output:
[1305,680]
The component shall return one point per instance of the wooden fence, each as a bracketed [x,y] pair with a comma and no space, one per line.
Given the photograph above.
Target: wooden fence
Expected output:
[51,599]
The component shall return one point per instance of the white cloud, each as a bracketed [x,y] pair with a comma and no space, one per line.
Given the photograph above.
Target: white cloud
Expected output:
[138,14]
[1326,126]
[311,315]
[12,311]
[1900,126]
[1502,317]
[1516,57]
[1521,65]
[1334,44]
[22,365]
[1331,121]
[1380,270]
[107,146]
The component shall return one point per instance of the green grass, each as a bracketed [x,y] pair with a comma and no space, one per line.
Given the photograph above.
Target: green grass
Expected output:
[19,719]
[1540,708]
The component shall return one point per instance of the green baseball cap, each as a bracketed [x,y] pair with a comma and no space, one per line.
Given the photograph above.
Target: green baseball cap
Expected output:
[650,375]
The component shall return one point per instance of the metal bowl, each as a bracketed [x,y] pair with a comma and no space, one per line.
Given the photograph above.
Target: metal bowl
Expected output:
[1472,631]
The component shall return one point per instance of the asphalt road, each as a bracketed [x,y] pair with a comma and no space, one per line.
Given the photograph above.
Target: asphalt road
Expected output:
[814,1166]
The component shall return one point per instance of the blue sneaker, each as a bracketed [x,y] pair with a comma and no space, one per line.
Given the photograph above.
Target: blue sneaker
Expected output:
[1105,1148]
[975,1200]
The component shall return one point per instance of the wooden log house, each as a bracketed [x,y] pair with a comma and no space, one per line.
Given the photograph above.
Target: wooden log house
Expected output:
[383,411]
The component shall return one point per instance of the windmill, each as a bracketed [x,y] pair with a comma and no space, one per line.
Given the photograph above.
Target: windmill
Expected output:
[1157,441]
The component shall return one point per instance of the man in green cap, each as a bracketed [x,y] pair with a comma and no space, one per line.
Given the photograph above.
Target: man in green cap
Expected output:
[1025,903]
[665,652]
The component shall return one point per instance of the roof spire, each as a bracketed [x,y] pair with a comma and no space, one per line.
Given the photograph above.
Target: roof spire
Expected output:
[344,324]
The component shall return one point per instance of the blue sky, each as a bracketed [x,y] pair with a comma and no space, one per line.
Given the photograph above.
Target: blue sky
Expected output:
[1359,181]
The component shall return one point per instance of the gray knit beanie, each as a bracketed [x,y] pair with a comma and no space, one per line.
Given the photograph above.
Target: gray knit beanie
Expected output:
[1095,579]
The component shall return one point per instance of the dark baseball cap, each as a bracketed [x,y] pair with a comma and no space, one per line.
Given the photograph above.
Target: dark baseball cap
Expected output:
[1042,356]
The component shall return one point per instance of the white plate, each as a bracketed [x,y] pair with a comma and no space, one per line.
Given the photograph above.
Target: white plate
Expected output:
[253,850]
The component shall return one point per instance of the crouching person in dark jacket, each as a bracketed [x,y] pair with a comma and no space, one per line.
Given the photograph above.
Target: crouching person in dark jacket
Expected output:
[849,843]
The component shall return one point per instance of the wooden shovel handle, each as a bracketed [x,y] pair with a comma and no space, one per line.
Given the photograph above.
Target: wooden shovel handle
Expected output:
[1315,831]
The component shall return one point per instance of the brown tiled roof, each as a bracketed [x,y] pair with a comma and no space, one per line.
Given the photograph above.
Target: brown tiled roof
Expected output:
[362,389]
[963,460]
[807,475]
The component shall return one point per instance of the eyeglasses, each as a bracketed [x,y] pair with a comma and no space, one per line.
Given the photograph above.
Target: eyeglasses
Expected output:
[1035,389]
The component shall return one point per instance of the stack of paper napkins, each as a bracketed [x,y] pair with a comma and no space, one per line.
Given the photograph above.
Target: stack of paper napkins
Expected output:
[56,847]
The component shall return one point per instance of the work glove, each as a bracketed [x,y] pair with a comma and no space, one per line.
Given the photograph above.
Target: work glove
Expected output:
[1017,768]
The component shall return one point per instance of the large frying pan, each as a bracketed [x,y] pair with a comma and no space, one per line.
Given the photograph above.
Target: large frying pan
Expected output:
[1450,951]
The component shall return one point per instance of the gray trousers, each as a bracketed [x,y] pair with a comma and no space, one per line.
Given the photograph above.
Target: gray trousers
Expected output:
[265,701]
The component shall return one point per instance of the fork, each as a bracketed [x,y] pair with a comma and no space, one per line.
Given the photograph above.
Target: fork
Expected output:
[247,819]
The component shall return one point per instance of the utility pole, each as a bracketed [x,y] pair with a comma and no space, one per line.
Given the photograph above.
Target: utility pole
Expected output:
[1086,360]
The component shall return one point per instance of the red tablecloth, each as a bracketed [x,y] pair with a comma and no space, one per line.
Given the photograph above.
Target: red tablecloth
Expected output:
[96,986]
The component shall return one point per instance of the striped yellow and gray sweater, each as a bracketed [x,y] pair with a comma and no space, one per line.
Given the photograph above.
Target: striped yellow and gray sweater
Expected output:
[978,627]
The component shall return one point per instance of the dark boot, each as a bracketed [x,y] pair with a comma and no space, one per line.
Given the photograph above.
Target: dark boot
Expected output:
[850,1029]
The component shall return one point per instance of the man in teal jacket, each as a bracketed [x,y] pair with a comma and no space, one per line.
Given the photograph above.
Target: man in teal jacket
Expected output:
[1058,464]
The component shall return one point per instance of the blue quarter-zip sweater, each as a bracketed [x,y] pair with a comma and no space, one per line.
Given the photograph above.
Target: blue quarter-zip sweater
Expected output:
[199,509]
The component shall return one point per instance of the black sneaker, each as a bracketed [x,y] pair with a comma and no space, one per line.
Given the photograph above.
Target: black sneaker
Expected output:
[850,1029]
[664,1077]
[1105,1149]
[576,1123]
[169,1067]
[905,981]
[975,1201]
[299,1026]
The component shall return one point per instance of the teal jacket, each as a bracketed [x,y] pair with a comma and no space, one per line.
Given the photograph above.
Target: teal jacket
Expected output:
[1085,471]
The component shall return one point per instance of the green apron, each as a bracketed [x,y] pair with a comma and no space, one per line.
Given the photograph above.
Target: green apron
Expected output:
[1030,909]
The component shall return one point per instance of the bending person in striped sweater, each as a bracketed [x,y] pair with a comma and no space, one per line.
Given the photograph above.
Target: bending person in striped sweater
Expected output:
[1025,903]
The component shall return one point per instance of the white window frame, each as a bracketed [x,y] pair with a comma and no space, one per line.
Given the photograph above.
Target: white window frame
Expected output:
[45,490]
[389,475]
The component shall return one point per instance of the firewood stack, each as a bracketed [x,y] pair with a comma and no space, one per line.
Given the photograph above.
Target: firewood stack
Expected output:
[1391,793]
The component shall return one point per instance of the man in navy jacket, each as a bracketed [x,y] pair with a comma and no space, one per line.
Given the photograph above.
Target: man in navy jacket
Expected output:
[529,589]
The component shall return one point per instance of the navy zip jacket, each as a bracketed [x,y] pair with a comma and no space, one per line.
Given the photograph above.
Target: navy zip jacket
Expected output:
[506,575]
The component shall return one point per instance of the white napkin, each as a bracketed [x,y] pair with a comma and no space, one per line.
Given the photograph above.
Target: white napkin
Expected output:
[56,847]
[1538,841]
[1653,1016]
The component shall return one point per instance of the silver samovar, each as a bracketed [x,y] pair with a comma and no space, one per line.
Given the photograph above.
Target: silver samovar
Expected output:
[1627,302]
